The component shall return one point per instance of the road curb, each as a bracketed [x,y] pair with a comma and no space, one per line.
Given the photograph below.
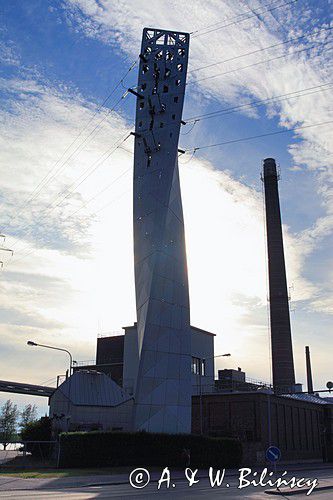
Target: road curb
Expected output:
[300,491]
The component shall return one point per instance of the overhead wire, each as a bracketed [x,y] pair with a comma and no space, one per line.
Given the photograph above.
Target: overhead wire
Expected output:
[31,250]
[203,28]
[281,97]
[262,49]
[206,30]
[316,44]
[50,208]
[243,139]
[51,175]
[63,165]
[84,205]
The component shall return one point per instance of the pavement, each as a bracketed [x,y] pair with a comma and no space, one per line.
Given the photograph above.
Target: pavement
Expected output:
[177,490]
[118,486]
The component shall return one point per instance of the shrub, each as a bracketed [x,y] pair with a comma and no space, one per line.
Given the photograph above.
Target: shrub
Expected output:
[40,430]
[96,449]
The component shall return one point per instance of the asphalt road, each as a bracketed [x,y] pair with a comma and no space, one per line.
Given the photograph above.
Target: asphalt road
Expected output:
[180,490]
[177,489]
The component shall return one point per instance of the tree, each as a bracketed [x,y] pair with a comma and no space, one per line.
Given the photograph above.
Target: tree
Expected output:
[28,416]
[8,422]
[39,430]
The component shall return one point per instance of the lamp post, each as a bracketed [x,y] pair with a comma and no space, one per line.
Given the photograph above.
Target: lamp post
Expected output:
[34,344]
[202,364]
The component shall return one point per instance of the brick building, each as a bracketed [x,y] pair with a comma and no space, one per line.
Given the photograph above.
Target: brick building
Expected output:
[300,425]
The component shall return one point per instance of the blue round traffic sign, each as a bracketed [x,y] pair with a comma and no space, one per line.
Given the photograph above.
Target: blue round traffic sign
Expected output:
[273,454]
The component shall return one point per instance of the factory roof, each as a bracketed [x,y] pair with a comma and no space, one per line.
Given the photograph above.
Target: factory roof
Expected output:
[310,398]
[92,388]
[192,328]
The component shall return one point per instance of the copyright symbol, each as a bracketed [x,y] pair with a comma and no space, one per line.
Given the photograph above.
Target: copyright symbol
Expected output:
[139,478]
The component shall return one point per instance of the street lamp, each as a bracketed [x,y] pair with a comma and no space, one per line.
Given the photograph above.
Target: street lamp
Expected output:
[202,364]
[34,344]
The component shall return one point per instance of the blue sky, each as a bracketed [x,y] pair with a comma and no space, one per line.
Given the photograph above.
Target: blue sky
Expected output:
[73,271]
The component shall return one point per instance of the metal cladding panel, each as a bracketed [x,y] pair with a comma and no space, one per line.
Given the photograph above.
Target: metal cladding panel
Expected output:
[92,388]
[282,352]
[163,386]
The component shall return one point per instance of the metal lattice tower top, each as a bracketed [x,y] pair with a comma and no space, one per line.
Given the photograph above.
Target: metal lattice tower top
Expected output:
[161,89]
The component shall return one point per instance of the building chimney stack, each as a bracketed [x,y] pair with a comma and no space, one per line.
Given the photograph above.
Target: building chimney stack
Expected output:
[282,351]
[308,370]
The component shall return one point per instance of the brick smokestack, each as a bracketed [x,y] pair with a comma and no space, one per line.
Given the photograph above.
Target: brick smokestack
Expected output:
[282,351]
[308,370]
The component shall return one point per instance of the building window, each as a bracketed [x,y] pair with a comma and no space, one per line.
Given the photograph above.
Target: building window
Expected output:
[196,364]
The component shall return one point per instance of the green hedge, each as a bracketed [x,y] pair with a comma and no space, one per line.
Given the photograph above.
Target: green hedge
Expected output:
[140,449]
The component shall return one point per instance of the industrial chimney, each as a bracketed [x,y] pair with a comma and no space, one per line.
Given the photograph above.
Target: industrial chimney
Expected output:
[308,370]
[282,351]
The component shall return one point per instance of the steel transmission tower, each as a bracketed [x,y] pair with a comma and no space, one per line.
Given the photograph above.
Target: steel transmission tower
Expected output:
[163,385]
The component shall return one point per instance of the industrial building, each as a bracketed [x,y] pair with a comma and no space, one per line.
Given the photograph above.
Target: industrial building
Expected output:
[117,356]
[90,400]
[299,424]
[101,395]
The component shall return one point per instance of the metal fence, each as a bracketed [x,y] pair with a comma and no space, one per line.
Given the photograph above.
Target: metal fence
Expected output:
[29,454]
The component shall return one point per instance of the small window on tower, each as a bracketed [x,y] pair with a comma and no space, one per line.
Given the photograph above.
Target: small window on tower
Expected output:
[161,125]
[165,89]
[173,117]
[179,67]
[145,68]
[177,83]
[141,105]
[175,99]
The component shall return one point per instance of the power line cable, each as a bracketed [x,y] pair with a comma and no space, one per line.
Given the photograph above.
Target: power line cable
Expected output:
[289,95]
[47,178]
[88,170]
[106,99]
[195,81]
[290,40]
[50,208]
[101,191]
[243,139]
[196,34]
[29,252]
[227,19]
